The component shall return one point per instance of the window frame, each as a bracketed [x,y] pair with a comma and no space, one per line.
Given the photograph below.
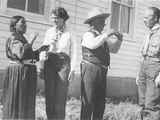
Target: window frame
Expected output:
[26,4]
[129,35]
[32,17]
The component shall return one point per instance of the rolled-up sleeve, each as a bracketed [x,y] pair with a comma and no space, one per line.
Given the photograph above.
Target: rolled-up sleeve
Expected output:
[42,55]
[92,42]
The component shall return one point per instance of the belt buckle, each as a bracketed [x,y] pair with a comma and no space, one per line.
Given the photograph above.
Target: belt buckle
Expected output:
[33,61]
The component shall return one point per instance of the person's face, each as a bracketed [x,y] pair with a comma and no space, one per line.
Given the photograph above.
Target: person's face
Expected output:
[59,22]
[99,23]
[150,19]
[21,26]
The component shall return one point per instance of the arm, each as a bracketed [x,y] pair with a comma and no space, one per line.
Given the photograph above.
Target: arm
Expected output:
[73,53]
[43,54]
[9,51]
[33,38]
[92,42]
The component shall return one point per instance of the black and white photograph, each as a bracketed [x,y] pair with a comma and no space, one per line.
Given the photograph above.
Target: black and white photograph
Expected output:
[79,59]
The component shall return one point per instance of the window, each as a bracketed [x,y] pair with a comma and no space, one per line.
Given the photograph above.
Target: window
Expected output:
[121,15]
[34,6]
[0,4]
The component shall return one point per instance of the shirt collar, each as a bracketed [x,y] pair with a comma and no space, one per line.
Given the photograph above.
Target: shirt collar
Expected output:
[95,31]
[60,31]
[155,28]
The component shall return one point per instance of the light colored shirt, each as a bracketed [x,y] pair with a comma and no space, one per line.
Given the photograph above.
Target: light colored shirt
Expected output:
[91,41]
[58,42]
[154,42]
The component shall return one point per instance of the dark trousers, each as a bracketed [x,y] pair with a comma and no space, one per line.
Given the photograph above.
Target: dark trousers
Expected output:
[19,92]
[93,87]
[149,94]
[56,87]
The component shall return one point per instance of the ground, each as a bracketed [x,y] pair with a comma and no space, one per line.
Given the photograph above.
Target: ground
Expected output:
[115,110]
[124,110]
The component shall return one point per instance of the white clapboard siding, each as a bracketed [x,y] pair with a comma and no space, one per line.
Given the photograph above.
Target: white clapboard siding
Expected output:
[124,64]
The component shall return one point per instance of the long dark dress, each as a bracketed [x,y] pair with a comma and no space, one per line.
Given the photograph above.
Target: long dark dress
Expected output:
[20,79]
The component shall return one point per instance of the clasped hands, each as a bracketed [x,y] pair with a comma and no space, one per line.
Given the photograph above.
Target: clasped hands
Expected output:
[118,34]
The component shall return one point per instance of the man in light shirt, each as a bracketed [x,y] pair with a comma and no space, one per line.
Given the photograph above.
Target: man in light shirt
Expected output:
[94,66]
[57,64]
[149,76]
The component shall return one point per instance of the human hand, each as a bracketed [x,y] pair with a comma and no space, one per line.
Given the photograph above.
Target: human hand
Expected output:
[44,48]
[71,75]
[157,80]
[137,79]
[117,34]
[33,37]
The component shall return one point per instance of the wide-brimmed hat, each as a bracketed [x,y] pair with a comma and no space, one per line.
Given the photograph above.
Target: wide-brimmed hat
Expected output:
[95,13]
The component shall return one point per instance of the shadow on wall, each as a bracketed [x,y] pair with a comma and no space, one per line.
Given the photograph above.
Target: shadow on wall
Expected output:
[116,86]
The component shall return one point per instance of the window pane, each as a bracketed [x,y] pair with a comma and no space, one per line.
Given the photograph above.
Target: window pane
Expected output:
[18,4]
[115,16]
[125,18]
[129,2]
[36,6]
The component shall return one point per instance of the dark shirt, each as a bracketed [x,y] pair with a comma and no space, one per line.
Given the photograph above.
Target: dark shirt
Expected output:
[18,49]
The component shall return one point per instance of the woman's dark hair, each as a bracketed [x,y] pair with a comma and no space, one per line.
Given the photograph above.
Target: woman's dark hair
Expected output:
[13,22]
[60,12]
[156,12]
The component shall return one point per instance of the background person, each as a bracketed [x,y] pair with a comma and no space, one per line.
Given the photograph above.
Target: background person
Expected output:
[148,81]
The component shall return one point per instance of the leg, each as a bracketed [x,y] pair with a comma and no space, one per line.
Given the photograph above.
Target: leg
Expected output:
[27,93]
[61,92]
[142,85]
[88,84]
[100,93]
[49,76]
[152,102]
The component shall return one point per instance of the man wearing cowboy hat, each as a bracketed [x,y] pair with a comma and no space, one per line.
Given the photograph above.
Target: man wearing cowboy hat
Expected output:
[94,66]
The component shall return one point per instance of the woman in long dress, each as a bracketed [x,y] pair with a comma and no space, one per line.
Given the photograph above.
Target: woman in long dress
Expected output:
[21,74]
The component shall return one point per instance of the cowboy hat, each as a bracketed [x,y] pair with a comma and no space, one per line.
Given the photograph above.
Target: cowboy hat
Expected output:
[95,13]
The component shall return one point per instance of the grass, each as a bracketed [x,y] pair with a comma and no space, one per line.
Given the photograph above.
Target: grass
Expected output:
[115,109]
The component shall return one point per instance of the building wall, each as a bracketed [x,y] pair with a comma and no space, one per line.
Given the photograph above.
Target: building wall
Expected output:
[124,64]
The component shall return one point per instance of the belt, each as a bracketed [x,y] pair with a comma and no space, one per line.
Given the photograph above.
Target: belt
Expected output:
[152,58]
[88,62]
[25,62]
[29,62]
